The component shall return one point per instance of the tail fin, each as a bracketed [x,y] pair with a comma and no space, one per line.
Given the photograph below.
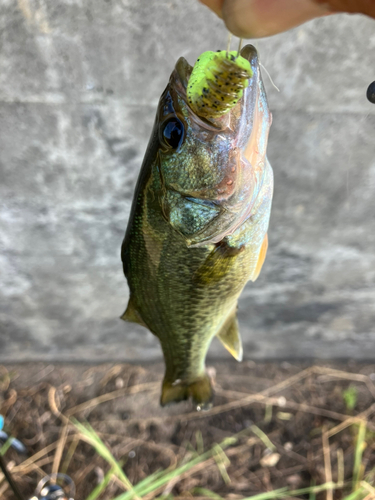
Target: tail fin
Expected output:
[200,391]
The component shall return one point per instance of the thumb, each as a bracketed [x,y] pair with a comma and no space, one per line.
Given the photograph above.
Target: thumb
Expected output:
[259,18]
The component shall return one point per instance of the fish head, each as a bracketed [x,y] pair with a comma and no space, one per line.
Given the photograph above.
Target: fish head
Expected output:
[211,168]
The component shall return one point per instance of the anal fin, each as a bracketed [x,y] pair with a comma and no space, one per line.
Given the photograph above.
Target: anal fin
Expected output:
[131,314]
[261,258]
[230,337]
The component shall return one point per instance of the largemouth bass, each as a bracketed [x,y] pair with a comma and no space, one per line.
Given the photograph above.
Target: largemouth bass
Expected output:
[198,228]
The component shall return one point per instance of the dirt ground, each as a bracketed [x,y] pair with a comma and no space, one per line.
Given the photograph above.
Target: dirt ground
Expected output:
[307,413]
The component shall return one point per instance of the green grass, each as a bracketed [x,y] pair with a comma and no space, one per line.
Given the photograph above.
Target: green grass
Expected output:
[153,483]
[358,469]
[350,396]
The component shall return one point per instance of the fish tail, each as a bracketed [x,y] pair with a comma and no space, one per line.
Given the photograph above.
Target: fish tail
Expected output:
[199,390]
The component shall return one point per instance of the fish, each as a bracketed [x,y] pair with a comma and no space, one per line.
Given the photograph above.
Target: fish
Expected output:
[197,231]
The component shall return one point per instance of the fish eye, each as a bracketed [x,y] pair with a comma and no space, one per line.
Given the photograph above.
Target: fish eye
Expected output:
[173,133]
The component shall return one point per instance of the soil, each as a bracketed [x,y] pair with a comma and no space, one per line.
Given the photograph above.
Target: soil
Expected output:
[305,411]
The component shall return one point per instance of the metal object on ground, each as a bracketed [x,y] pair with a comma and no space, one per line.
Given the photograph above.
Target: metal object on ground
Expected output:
[48,489]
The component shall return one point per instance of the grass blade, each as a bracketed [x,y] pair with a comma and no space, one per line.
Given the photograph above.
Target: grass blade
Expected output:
[102,486]
[6,446]
[358,468]
[142,489]
[90,436]
[285,493]
[263,437]
[204,492]
[356,495]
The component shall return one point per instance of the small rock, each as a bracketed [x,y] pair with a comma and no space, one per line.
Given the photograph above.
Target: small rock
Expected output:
[119,383]
[270,460]
[99,474]
[288,446]
[294,480]
[281,401]
[285,365]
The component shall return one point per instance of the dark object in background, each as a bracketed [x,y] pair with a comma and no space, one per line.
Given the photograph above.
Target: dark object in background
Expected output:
[371,92]
[8,476]
[20,448]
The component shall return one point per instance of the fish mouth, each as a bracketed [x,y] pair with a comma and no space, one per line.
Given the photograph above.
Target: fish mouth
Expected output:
[250,53]
[183,69]
[183,72]
[248,101]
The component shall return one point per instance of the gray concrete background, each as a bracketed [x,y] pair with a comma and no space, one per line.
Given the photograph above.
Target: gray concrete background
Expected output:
[79,83]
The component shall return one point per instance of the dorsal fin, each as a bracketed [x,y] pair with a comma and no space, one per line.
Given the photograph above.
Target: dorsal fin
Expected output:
[131,314]
[230,337]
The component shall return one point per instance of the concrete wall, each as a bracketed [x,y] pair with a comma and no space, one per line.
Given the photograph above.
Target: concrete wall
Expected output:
[79,83]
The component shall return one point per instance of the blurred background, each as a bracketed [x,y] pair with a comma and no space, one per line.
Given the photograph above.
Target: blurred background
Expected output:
[79,85]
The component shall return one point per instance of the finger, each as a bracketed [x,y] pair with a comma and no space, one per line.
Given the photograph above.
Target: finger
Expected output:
[215,5]
[353,6]
[259,18]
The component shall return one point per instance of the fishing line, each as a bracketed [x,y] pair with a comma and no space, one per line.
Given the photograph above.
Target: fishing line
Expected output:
[256,45]
[228,44]
[269,76]
[239,46]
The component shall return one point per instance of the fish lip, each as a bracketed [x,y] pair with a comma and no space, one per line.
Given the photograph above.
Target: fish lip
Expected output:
[183,70]
[250,53]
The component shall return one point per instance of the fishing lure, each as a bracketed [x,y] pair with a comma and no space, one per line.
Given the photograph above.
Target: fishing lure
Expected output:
[217,82]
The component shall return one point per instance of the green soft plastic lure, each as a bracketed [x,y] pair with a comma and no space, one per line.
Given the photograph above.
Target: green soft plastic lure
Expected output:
[217,82]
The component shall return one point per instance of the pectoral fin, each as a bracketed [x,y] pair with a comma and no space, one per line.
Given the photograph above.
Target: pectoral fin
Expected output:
[261,258]
[217,264]
[230,337]
[131,314]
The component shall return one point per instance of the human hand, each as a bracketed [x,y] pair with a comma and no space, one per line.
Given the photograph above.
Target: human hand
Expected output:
[259,18]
